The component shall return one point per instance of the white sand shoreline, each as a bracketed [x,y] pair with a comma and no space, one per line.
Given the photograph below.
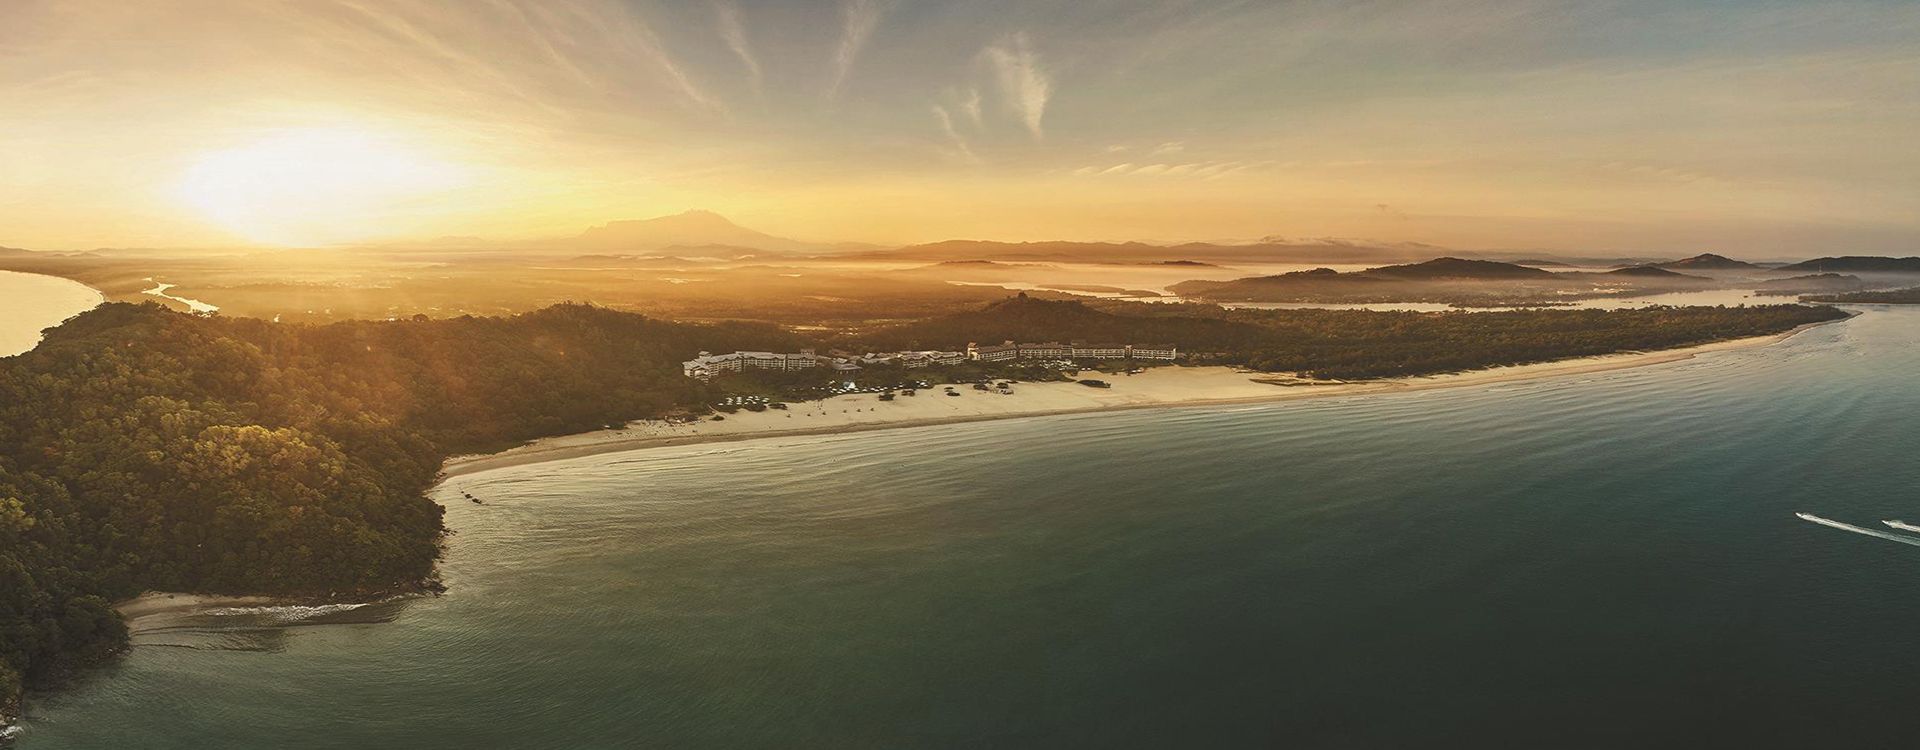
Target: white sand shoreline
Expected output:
[1156,388]
[159,611]
[155,610]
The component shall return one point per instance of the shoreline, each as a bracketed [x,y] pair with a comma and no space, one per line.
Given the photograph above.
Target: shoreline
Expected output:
[17,338]
[156,610]
[1122,398]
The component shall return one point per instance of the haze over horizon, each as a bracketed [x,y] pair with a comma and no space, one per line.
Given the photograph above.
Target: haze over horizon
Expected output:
[1754,129]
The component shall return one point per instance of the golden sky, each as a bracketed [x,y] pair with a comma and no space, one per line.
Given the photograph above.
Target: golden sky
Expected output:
[1754,128]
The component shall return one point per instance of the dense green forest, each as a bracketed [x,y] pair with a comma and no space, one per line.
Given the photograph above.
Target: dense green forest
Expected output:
[1908,296]
[1351,344]
[1449,280]
[146,449]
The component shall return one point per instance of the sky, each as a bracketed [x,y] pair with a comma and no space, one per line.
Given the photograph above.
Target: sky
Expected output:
[1753,128]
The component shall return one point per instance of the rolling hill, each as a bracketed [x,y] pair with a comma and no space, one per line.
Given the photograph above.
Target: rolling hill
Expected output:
[689,229]
[1855,264]
[1708,262]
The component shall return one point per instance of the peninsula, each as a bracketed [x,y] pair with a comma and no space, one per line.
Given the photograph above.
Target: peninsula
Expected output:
[308,448]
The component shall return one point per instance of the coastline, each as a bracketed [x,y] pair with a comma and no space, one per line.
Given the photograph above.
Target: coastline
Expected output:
[1157,388]
[31,307]
[156,610]
[160,611]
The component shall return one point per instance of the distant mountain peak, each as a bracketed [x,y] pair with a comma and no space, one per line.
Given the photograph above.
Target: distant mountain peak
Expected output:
[1709,262]
[1652,272]
[695,228]
[1458,268]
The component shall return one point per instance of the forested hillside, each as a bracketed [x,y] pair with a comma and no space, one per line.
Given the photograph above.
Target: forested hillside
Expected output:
[1909,296]
[1351,344]
[145,449]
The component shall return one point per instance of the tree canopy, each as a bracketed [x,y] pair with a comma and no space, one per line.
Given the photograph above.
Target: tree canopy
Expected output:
[144,449]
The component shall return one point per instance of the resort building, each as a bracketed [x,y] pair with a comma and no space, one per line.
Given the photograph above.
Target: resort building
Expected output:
[1153,351]
[996,353]
[913,359]
[705,366]
[1100,351]
[1049,350]
[1056,351]
[926,358]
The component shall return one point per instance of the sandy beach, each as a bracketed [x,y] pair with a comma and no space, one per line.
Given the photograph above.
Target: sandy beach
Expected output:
[158,610]
[1155,388]
[1161,387]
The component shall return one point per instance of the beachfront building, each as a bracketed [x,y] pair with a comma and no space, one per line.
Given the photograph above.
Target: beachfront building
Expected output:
[993,353]
[929,358]
[1099,351]
[913,359]
[802,360]
[705,366]
[1048,350]
[1125,351]
[708,364]
[944,358]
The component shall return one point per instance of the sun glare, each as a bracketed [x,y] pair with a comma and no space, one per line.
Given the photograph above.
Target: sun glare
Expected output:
[316,186]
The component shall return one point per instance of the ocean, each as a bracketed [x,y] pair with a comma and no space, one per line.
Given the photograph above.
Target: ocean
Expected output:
[31,302]
[1593,561]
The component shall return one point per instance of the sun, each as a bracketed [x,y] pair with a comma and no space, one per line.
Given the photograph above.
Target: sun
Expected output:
[317,186]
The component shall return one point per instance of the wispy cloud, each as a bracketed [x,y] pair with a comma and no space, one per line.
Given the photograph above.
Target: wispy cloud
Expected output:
[735,35]
[858,18]
[608,27]
[1025,86]
[970,105]
[1191,170]
[960,145]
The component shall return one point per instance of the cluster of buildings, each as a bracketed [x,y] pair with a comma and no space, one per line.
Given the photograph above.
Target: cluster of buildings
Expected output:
[914,359]
[705,366]
[1051,351]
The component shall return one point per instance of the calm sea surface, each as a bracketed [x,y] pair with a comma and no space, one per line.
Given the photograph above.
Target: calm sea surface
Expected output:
[30,303]
[1598,561]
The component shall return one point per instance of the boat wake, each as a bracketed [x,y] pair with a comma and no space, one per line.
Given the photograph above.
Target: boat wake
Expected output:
[1860,530]
[1902,525]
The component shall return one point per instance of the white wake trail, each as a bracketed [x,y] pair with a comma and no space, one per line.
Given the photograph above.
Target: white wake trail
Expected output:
[1902,525]
[1859,530]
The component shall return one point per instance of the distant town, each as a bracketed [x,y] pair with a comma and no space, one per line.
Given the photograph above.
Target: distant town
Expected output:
[708,364]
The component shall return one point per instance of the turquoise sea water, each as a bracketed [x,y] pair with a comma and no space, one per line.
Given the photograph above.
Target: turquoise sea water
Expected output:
[1597,561]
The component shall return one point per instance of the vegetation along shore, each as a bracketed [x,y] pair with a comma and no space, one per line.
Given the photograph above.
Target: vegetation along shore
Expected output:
[143,449]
